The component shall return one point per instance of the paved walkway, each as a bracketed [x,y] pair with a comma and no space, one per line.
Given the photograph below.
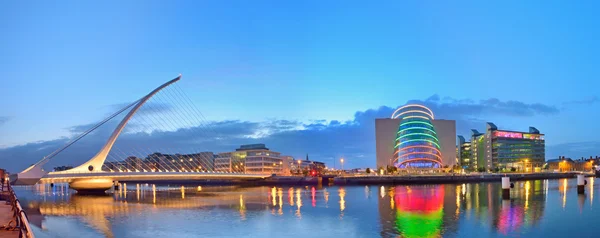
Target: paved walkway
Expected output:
[5,217]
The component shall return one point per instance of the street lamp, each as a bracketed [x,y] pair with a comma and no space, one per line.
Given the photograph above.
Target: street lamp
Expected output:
[342,161]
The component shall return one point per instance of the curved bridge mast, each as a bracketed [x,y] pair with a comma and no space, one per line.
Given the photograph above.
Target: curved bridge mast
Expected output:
[96,162]
[35,172]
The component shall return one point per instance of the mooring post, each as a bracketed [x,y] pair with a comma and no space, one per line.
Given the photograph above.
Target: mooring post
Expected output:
[505,188]
[580,184]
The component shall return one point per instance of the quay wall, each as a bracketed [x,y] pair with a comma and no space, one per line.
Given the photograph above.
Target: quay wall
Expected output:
[437,179]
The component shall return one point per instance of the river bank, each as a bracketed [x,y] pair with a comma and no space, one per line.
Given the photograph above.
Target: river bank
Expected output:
[411,179]
[459,178]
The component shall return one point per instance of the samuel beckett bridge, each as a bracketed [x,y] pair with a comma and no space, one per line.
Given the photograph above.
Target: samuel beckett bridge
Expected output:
[165,112]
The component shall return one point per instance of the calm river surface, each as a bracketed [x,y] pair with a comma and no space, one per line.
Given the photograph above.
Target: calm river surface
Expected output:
[541,208]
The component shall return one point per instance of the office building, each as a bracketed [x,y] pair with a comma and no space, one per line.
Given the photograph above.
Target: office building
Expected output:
[253,158]
[159,162]
[563,164]
[464,154]
[424,130]
[504,150]
[299,166]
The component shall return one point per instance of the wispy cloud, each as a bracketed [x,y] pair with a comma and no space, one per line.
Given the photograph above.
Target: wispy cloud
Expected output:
[585,101]
[3,119]
[491,106]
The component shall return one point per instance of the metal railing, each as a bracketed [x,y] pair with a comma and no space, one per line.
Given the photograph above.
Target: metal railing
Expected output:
[19,220]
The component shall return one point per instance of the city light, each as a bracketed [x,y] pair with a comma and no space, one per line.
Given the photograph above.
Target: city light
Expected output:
[421,134]
[416,140]
[430,114]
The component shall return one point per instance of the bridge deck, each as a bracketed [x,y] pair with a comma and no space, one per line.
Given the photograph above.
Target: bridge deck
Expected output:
[152,176]
[6,215]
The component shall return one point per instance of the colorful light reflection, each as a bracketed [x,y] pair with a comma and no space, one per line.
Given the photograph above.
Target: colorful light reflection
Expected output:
[419,210]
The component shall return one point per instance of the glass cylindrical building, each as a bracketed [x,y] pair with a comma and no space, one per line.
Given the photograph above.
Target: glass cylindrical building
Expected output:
[416,145]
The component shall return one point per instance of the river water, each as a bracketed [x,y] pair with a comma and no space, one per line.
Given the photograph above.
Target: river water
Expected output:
[540,208]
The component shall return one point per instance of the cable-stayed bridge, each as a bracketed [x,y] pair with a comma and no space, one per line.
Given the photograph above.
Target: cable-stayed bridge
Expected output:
[166,111]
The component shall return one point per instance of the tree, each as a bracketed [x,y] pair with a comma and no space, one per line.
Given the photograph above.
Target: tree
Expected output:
[456,168]
[513,169]
[368,170]
[497,170]
[305,172]
[481,169]
[391,169]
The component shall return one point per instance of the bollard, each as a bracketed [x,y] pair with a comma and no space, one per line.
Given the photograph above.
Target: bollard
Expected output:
[580,184]
[505,188]
[505,204]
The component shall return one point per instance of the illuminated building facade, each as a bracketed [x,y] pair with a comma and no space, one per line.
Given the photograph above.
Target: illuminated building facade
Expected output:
[386,133]
[416,144]
[464,153]
[253,158]
[314,167]
[563,164]
[197,162]
[503,150]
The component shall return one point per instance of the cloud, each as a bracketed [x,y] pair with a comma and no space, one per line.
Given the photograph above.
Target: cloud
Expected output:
[3,119]
[491,106]
[574,150]
[585,101]
[470,114]
[323,140]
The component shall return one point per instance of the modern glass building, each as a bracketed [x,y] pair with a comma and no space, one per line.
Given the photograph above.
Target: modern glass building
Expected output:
[416,144]
[253,158]
[464,154]
[507,150]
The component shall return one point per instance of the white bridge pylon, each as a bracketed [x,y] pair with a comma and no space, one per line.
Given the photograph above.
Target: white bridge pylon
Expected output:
[35,172]
[96,162]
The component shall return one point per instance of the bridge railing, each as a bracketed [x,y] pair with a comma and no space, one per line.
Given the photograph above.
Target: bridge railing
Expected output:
[145,171]
[19,220]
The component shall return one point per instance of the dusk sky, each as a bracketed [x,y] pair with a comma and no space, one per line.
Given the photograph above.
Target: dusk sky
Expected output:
[305,77]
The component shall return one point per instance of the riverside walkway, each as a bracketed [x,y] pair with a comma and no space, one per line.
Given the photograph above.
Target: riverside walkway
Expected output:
[450,178]
[13,221]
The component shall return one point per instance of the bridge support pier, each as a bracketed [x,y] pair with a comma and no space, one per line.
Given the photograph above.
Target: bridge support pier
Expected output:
[91,186]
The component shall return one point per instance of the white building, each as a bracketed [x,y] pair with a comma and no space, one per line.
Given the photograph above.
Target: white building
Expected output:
[253,158]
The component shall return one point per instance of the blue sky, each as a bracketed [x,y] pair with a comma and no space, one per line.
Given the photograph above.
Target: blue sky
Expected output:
[67,64]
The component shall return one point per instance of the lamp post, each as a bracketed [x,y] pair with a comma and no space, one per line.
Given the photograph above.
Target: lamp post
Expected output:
[299,172]
[342,161]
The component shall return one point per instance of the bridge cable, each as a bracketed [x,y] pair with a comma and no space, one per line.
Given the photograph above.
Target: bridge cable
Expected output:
[51,155]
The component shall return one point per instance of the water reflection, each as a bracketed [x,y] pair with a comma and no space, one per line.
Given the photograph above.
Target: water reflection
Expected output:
[298,203]
[342,194]
[406,211]
[432,210]
[419,210]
